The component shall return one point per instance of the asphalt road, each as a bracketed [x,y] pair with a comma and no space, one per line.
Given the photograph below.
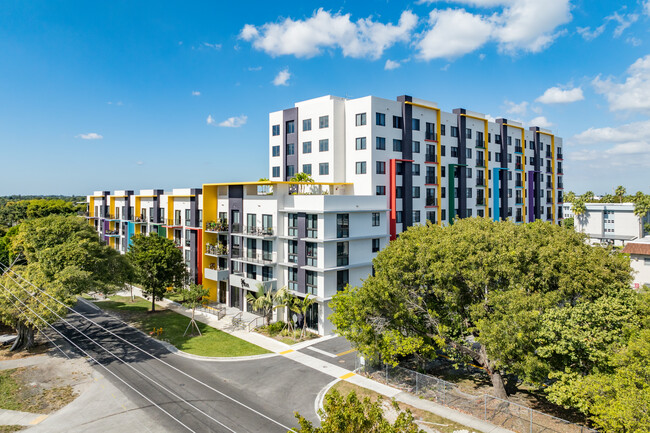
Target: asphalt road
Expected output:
[241,396]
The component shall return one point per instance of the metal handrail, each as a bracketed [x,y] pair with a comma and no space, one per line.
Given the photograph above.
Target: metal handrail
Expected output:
[254,321]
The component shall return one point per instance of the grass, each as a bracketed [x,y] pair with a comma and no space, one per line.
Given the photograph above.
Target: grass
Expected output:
[11,428]
[213,342]
[9,388]
[16,395]
[439,423]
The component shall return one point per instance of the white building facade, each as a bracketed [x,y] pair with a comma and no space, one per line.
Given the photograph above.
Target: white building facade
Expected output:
[613,223]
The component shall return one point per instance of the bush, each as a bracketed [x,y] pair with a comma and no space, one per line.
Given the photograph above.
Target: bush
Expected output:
[275,328]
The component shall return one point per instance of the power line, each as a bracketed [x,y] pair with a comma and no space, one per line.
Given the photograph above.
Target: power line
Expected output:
[127,364]
[96,361]
[147,353]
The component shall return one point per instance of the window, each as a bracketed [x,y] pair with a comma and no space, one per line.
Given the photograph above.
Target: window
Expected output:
[376,219]
[381,143]
[468,133]
[397,122]
[360,119]
[342,225]
[188,216]
[323,145]
[381,190]
[497,138]
[361,167]
[276,130]
[276,171]
[290,128]
[415,124]
[442,129]
[276,150]
[311,249]
[497,156]
[380,119]
[292,225]
[509,140]
[311,284]
[416,192]
[306,147]
[398,217]
[291,170]
[375,245]
[454,152]
[306,168]
[324,122]
[443,171]
[342,255]
[442,150]
[399,192]
[361,143]
[342,278]
[312,226]
[306,125]
[415,146]
[293,279]
[397,145]
[443,194]
[469,192]
[468,152]
[290,149]
[381,167]
[431,216]
[323,168]
[443,214]
[416,216]
[468,172]
[454,131]
[399,169]
[416,169]
[430,131]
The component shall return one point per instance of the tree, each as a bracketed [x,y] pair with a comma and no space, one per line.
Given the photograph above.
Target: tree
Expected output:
[477,289]
[192,298]
[301,306]
[351,415]
[588,196]
[263,179]
[568,223]
[158,264]
[619,192]
[579,206]
[302,177]
[641,205]
[64,257]
[284,299]
[262,301]
[570,197]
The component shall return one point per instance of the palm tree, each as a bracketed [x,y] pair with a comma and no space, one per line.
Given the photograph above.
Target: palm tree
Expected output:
[301,306]
[620,192]
[588,196]
[579,206]
[284,299]
[302,177]
[262,301]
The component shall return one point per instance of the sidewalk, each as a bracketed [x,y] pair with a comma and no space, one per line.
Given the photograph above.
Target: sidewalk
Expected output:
[292,352]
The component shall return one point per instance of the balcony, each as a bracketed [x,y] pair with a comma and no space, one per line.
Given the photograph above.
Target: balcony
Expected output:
[519,149]
[241,280]
[549,154]
[518,166]
[559,156]
[236,227]
[519,183]
[216,226]
[176,222]
[560,185]
[431,201]
[257,231]
[430,180]
[218,249]
[431,136]
[480,144]
[255,256]
[480,201]
[140,220]
[216,274]
[548,185]
[480,181]
[342,259]
[480,162]
[430,157]
[519,201]
[519,218]
[112,233]
[549,200]
[178,243]
[188,243]
[549,169]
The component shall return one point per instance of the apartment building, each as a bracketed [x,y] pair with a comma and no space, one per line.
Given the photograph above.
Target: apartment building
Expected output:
[427,164]
[639,251]
[313,238]
[609,223]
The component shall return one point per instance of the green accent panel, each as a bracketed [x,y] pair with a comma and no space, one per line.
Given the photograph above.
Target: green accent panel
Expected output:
[451,209]
[162,231]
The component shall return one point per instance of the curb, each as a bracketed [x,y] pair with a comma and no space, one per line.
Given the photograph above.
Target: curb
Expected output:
[318,403]
[176,351]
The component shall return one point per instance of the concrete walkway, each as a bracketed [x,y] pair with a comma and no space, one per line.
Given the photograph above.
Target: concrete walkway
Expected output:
[291,352]
[14,417]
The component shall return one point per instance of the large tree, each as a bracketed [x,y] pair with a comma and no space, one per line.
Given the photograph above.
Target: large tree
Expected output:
[479,290]
[620,193]
[158,264]
[64,257]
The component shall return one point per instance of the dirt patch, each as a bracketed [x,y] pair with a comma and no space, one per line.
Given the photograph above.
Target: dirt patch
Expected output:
[11,428]
[40,348]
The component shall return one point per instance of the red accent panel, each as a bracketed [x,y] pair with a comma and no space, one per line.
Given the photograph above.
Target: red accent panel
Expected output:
[392,198]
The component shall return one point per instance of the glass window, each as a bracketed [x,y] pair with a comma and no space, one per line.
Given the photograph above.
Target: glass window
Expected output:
[292,224]
[324,122]
[361,143]
[276,171]
[312,226]
[291,148]
[323,168]
[397,122]
[415,146]
[376,219]
[342,257]
[380,119]
[381,190]
[293,251]
[375,245]
[306,168]
[468,133]
[454,131]
[342,278]
[311,282]
[415,124]
[397,145]
[381,143]
[416,192]
[276,130]
[291,127]
[342,225]
[361,167]
[442,129]
[276,150]
[323,145]
[306,147]
[416,216]
[291,170]
[360,119]
[416,169]
[381,167]
[306,125]
[398,217]
[311,249]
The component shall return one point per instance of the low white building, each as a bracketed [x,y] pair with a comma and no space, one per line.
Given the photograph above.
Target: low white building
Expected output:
[639,252]
[612,223]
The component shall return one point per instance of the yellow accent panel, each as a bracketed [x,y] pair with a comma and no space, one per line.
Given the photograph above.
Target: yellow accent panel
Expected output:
[347,376]
[91,206]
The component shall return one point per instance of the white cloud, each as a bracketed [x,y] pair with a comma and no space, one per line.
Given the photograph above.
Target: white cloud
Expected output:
[254,68]
[210,120]
[140,163]
[453,33]
[282,79]
[516,109]
[588,34]
[90,136]
[196,93]
[234,122]
[631,132]
[118,103]
[390,64]
[213,46]
[624,21]
[635,42]
[646,7]
[306,38]
[556,95]
[633,93]
[541,121]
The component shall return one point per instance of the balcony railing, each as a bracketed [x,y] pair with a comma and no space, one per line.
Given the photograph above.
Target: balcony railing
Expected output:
[519,149]
[218,249]
[548,185]
[549,200]
[560,185]
[519,183]
[549,154]
[518,166]
[430,157]
[480,181]
[112,232]
[175,222]
[216,226]
[549,169]
[519,218]
[431,136]
[255,256]
[432,180]
[177,243]
[431,201]
[236,228]
[559,155]
[480,201]
[480,162]
[480,144]
[519,200]
[258,231]
[188,243]
[342,259]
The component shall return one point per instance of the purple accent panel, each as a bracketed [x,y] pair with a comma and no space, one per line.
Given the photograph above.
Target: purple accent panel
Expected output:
[107,227]
[302,252]
[531,196]
[289,115]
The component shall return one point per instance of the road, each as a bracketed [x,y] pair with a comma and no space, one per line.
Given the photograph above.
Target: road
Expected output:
[241,396]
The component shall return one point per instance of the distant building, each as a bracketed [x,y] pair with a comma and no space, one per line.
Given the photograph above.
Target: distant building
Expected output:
[610,223]
[639,252]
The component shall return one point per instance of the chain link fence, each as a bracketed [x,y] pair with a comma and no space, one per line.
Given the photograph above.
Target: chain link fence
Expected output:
[509,415]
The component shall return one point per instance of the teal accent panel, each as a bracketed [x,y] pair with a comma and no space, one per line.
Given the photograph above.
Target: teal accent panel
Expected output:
[162,231]
[130,231]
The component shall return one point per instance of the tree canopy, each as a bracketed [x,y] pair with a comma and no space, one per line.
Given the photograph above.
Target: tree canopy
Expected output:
[158,264]
[497,293]
[16,209]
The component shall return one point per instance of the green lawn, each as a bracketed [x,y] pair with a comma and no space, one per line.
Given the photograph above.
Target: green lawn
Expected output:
[213,342]
[9,391]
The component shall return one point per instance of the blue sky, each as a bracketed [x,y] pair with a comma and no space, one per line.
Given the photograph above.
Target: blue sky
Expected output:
[113,95]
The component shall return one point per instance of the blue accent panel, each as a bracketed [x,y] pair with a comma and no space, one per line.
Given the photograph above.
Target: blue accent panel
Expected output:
[130,231]
[496,209]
